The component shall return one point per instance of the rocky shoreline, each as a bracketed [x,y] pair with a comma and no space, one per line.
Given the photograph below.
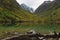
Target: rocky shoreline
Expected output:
[33,36]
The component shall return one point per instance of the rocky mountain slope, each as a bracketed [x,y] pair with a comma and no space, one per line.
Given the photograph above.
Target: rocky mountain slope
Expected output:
[50,11]
[24,6]
[43,7]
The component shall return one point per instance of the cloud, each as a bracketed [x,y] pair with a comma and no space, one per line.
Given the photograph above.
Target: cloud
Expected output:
[32,3]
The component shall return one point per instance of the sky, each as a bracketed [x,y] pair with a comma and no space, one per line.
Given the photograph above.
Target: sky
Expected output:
[32,3]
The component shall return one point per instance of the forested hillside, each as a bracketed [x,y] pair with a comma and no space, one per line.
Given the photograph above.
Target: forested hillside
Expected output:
[10,11]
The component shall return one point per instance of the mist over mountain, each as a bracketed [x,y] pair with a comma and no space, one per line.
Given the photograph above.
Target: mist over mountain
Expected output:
[24,6]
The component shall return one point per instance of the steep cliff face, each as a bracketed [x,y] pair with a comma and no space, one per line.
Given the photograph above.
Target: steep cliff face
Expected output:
[10,10]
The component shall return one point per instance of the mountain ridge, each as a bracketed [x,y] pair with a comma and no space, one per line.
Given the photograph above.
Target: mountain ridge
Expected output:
[24,6]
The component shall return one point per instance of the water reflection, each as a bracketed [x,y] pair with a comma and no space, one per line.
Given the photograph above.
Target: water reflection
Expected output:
[26,26]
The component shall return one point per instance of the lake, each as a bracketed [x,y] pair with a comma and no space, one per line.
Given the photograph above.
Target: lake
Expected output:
[25,27]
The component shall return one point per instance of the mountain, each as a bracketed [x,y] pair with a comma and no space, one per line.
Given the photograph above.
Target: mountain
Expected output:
[24,6]
[11,11]
[51,12]
[44,6]
[58,1]
[47,5]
